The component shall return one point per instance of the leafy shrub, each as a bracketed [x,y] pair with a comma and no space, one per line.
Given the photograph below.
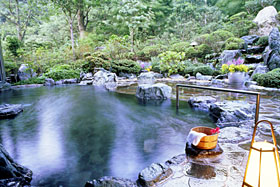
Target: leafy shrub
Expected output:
[33,80]
[152,51]
[155,63]
[180,47]
[204,70]
[10,67]
[240,24]
[191,52]
[203,50]
[117,47]
[270,79]
[263,41]
[233,43]
[171,62]
[190,67]
[13,45]
[125,66]
[64,71]
[95,60]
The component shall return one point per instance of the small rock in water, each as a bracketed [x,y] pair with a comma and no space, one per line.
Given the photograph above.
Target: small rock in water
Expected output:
[10,110]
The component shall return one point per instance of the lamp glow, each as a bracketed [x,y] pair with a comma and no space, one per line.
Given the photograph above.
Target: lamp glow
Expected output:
[263,163]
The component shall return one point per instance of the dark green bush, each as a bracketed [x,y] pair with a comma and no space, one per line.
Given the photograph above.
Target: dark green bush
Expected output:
[180,47]
[151,51]
[125,66]
[64,71]
[155,62]
[270,79]
[95,60]
[204,70]
[263,41]
[33,80]
[191,53]
[203,50]
[233,43]
[10,67]
[13,44]
[190,67]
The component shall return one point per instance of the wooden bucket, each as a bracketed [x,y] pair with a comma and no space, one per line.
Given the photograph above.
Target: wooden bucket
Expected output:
[206,142]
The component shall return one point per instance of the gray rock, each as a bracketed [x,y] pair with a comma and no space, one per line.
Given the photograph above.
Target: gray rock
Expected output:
[24,72]
[201,153]
[250,39]
[60,82]
[157,91]
[260,69]
[10,110]
[229,55]
[266,20]
[110,182]
[158,75]
[274,60]
[176,76]
[153,174]
[86,82]
[232,113]
[199,76]
[234,135]
[105,78]
[201,102]
[127,75]
[250,59]
[49,82]
[146,78]
[5,86]
[274,39]
[11,172]
[253,50]
[70,81]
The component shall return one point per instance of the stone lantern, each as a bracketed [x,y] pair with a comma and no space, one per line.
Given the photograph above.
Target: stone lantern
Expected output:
[193,44]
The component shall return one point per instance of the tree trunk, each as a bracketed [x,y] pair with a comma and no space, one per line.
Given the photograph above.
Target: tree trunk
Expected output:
[72,38]
[132,39]
[18,23]
[81,23]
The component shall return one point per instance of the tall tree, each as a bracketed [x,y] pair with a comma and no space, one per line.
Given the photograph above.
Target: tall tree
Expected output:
[19,13]
[134,14]
[70,10]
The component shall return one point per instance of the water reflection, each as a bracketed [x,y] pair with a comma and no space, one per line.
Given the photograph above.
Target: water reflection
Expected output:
[70,134]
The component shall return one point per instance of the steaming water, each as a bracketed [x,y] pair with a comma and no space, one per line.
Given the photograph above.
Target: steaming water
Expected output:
[70,134]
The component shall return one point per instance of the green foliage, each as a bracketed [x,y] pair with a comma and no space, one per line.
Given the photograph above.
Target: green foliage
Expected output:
[152,51]
[234,43]
[203,50]
[33,80]
[263,41]
[240,24]
[180,46]
[13,45]
[117,47]
[11,67]
[95,60]
[270,79]
[171,62]
[230,7]
[191,52]
[155,63]
[125,66]
[190,67]
[64,71]
[204,70]
[254,6]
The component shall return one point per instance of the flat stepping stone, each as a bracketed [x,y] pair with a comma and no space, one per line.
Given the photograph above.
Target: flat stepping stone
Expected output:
[201,153]
[10,110]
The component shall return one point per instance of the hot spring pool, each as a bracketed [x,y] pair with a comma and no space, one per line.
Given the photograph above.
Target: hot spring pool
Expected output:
[68,135]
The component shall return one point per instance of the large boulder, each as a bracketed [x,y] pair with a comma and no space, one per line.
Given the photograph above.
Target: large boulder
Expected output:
[271,54]
[250,39]
[201,102]
[111,182]
[260,69]
[232,113]
[10,110]
[24,72]
[229,55]
[146,78]
[153,174]
[11,173]
[266,20]
[105,78]
[49,82]
[157,91]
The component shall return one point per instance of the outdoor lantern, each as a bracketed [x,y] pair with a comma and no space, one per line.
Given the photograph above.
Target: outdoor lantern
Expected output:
[262,168]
